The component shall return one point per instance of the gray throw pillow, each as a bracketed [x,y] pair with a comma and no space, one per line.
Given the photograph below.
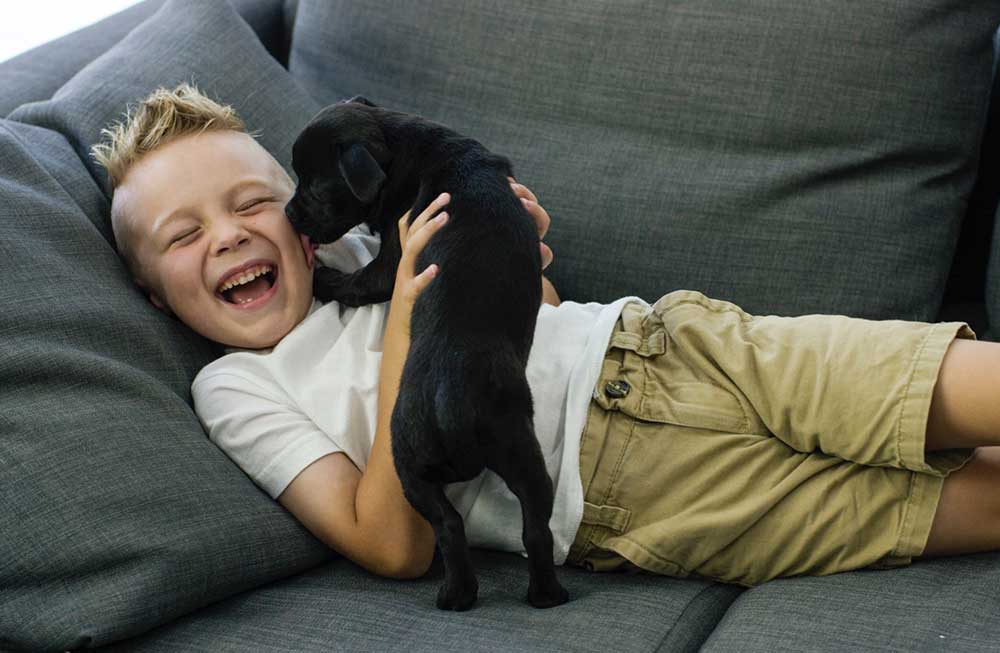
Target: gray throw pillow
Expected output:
[793,157]
[117,513]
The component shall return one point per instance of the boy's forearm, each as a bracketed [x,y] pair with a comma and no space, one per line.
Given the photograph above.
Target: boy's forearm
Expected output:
[380,502]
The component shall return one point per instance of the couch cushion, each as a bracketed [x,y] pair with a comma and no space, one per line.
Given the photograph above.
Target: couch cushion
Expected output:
[38,73]
[178,44]
[339,607]
[945,604]
[117,512]
[793,157]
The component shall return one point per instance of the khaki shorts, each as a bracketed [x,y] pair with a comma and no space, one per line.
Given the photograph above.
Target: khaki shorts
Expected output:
[744,448]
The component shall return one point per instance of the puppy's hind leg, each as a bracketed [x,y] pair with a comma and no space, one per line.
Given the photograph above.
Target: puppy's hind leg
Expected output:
[460,587]
[516,457]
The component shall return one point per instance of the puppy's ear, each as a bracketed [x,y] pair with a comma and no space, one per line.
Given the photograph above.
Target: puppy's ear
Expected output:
[360,99]
[363,174]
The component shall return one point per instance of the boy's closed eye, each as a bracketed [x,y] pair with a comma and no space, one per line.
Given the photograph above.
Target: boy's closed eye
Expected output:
[245,207]
[252,203]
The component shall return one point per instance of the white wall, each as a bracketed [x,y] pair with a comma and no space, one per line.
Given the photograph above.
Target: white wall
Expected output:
[25,24]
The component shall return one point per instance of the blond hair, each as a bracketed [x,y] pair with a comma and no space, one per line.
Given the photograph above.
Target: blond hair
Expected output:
[163,116]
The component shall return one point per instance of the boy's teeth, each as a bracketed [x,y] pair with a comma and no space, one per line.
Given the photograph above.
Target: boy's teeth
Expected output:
[246,277]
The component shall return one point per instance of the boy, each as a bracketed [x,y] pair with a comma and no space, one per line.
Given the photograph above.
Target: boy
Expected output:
[684,438]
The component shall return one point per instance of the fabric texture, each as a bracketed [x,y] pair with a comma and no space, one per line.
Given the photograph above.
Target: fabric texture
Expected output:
[339,606]
[118,512]
[792,157]
[946,604]
[38,73]
[746,448]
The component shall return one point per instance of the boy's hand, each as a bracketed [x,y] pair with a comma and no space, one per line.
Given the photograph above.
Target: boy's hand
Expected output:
[412,239]
[541,216]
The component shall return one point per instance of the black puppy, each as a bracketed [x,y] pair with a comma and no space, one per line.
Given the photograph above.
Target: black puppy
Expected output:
[464,404]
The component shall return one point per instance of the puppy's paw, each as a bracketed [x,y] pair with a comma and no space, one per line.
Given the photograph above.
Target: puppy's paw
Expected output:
[458,596]
[547,597]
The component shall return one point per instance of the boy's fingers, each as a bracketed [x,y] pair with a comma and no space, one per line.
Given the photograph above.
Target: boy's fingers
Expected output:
[423,279]
[404,226]
[419,237]
[523,191]
[547,255]
[540,215]
[432,208]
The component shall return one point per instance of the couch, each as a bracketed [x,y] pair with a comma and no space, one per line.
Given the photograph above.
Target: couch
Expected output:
[793,157]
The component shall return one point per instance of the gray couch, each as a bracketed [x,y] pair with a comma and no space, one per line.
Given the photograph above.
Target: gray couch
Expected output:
[793,157]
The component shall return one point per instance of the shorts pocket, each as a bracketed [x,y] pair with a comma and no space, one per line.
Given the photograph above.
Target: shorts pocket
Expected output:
[693,403]
[645,379]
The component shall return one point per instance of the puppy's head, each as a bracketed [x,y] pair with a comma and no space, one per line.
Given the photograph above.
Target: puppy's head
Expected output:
[341,160]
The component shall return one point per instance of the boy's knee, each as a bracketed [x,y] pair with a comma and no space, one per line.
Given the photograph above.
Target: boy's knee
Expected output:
[967,519]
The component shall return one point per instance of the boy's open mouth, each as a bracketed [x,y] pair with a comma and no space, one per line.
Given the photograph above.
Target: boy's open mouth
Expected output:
[249,286]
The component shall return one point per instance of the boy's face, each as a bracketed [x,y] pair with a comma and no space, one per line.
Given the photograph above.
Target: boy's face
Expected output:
[202,206]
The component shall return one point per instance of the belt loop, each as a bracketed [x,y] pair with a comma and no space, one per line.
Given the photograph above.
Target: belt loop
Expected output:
[607,516]
[630,335]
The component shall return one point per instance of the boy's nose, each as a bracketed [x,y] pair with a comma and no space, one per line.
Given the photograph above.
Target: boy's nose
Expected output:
[231,237]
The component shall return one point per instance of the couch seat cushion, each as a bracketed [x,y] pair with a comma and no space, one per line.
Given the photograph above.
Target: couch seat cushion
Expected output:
[944,604]
[341,607]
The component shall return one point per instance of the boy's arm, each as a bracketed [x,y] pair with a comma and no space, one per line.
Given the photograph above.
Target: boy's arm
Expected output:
[365,516]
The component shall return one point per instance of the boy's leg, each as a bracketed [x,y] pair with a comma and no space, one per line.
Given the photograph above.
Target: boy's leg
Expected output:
[967,519]
[965,407]
[965,412]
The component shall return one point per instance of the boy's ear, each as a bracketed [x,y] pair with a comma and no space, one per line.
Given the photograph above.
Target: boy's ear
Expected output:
[363,174]
[155,301]
[153,298]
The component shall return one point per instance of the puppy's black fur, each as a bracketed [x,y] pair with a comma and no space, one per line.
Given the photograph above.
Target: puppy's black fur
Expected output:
[464,404]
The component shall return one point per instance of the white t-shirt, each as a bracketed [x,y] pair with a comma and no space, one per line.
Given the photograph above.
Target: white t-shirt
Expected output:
[275,411]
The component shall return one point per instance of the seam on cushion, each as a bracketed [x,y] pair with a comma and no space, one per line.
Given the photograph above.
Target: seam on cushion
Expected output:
[694,599]
[906,394]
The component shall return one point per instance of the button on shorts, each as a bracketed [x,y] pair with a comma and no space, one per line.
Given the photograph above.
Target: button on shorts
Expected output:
[744,448]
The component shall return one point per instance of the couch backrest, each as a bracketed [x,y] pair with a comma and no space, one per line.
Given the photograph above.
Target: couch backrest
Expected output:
[792,157]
